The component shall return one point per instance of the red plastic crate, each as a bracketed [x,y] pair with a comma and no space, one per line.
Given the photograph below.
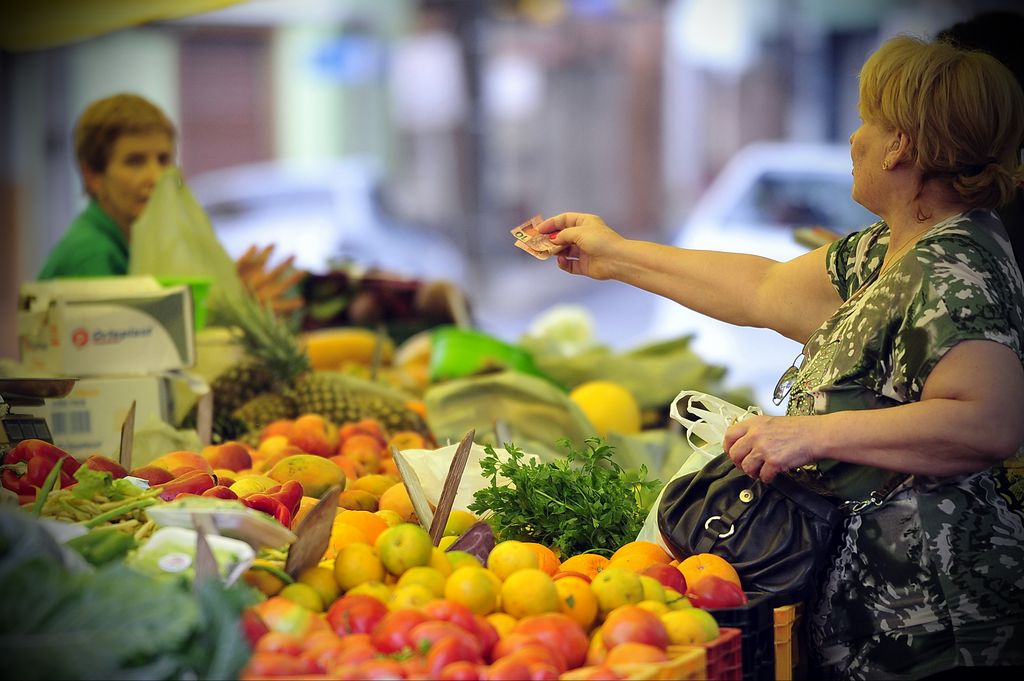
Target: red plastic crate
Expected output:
[725,655]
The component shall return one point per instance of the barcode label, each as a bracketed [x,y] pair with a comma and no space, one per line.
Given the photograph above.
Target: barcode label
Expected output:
[70,422]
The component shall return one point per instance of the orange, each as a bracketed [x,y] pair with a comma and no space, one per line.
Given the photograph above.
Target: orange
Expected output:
[615,587]
[396,499]
[588,564]
[577,600]
[529,591]
[425,576]
[502,622]
[343,534]
[548,561]
[379,590]
[412,596]
[509,556]
[439,561]
[357,563]
[703,564]
[652,551]
[473,588]
[631,561]
[304,595]
[368,523]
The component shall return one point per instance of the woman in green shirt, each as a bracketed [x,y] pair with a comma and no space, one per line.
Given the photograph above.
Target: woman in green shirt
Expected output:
[122,144]
[913,362]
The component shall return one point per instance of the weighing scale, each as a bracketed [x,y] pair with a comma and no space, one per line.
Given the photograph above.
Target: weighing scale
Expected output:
[27,392]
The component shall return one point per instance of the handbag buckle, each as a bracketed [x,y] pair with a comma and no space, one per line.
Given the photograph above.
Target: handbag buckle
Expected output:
[707,523]
[858,506]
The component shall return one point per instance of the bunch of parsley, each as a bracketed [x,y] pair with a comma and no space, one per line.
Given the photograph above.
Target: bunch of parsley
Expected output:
[582,503]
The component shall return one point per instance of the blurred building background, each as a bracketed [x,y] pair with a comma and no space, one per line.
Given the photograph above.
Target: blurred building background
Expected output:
[479,114]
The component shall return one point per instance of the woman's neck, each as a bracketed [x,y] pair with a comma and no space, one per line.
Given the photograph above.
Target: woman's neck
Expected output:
[910,219]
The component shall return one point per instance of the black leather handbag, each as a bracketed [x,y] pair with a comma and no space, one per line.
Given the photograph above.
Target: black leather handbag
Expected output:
[776,535]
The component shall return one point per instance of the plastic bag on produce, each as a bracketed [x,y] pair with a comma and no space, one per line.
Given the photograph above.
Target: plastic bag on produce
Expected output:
[174,238]
[157,437]
[432,466]
[705,419]
[537,413]
[653,373]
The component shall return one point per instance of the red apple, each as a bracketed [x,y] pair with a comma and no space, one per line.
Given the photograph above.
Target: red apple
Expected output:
[669,576]
[105,465]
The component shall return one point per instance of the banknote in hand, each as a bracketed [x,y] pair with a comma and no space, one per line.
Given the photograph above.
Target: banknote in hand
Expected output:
[533,242]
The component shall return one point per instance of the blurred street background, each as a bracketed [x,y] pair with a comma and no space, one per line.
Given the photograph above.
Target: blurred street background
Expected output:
[433,127]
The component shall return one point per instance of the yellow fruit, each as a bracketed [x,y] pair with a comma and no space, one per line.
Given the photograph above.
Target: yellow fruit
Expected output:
[676,601]
[304,595]
[379,590]
[424,576]
[708,622]
[315,473]
[683,628]
[461,559]
[458,522]
[403,547]
[251,484]
[509,556]
[654,607]
[446,542]
[439,561]
[577,600]
[267,582]
[609,406]
[323,582]
[328,349]
[390,517]
[529,591]
[617,586]
[653,590]
[472,587]
[503,622]
[357,563]
[412,597]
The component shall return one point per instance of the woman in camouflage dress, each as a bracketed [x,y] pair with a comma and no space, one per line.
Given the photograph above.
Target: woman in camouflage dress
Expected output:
[913,363]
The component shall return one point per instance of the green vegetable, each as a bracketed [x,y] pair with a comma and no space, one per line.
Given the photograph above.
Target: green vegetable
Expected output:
[119,511]
[91,483]
[102,545]
[44,491]
[583,503]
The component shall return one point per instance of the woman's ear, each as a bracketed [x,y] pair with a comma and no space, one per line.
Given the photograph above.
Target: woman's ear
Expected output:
[93,180]
[897,148]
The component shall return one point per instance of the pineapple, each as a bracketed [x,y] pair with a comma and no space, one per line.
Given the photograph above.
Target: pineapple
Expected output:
[341,399]
[265,408]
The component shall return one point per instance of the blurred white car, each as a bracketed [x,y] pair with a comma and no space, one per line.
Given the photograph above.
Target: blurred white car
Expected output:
[320,211]
[767,195]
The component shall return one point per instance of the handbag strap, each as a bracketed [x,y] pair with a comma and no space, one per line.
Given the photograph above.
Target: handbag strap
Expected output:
[726,520]
[877,497]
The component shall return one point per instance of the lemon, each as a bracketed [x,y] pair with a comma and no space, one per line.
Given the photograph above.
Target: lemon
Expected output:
[303,594]
[609,406]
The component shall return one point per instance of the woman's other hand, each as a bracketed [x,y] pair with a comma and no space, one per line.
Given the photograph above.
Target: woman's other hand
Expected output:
[591,243]
[271,286]
[763,446]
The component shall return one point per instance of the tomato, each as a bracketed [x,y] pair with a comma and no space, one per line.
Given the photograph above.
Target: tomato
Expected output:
[382,669]
[392,633]
[535,653]
[318,637]
[487,635]
[597,672]
[510,644]
[253,627]
[505,669]
[279,642]
[415,667]
[558,632]
[541,671]
[322,655]
[444,652]
[355,614]
[271,664]
[632,652]
[450,611]
[714,592]
[356,654]
[633,624]
[459,671]
[431,633]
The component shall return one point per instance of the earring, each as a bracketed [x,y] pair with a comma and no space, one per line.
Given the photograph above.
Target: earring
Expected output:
[885,165]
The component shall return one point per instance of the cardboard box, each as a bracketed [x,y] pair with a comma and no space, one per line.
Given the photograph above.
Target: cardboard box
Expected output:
[105,326]
[89,420]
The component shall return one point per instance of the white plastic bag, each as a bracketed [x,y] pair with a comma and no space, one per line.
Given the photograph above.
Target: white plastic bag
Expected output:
[431,467]
[713,417]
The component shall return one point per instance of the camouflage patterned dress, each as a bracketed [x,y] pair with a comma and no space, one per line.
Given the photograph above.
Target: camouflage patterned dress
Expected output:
[934,577]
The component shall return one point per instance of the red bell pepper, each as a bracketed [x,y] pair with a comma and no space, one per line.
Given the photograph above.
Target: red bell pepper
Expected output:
[27,465]
[272,507]
[194,482]
[290,495]
[221,492]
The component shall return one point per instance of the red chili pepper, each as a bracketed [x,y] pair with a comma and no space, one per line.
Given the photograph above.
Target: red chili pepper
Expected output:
[195,482]
[221,492]
[290,495]
[272,507]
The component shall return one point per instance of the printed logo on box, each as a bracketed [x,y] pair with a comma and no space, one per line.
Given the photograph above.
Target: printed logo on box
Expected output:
[80,337]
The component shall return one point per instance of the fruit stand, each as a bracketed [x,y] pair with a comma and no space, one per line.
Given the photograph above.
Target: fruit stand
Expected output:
[323,529]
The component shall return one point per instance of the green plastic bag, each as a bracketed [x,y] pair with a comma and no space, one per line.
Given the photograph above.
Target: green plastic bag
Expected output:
[457,352]
[173,238]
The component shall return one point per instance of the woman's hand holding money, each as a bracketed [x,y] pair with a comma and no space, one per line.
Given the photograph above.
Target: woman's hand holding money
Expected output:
[592,246]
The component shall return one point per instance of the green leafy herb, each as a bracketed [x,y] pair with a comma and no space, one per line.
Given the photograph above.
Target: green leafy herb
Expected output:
[91,483]
[583,503]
